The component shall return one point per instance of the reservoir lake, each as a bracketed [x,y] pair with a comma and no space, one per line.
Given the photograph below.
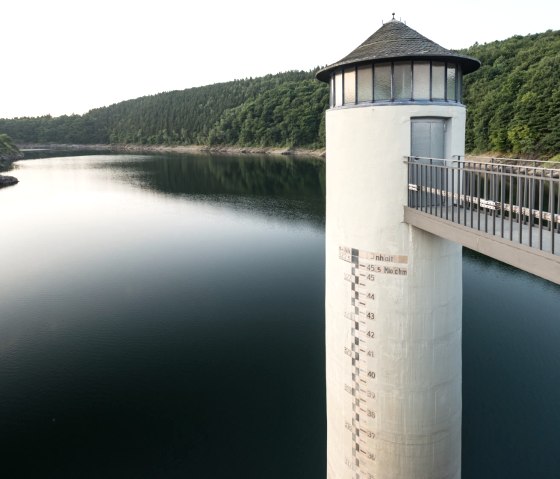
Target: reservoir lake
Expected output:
[162,316]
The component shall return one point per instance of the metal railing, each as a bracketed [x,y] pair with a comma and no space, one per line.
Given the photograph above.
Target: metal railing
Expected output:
[517,200]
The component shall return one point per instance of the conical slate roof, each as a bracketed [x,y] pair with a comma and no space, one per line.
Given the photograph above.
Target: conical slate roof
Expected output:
[396,41]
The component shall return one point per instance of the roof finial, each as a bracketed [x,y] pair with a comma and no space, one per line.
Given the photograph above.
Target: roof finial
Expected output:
[393,15]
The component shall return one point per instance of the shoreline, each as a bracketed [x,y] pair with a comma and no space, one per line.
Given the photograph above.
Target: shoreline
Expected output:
[6,160]
[7,181]
[320,153]
[251,150]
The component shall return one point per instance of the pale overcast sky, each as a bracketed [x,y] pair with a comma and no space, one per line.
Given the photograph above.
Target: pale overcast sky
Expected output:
[69,56]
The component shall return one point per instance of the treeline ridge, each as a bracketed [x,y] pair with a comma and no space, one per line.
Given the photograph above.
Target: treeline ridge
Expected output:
[513,104]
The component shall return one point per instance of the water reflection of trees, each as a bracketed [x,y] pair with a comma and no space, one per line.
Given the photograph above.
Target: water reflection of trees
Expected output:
[298,184]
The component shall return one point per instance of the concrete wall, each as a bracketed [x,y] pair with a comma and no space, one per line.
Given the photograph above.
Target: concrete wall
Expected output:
[393,305]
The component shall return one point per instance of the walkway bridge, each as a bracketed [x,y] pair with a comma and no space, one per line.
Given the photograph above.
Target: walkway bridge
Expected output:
[506,209]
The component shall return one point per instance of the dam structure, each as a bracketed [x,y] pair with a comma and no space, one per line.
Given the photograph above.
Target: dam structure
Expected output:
[393,290]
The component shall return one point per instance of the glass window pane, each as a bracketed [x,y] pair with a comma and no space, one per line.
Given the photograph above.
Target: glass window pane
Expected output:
[421,81]
[382,79]
[338,89]
[459,84]
[451,76]
[438,81]
[402,81]
[365,83]
[349,86]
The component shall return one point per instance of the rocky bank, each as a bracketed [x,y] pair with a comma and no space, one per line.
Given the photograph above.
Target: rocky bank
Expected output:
[8,154]
[7,180]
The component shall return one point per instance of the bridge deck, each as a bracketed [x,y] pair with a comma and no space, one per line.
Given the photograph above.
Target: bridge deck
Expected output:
[537,236]
[506,209]
[520,255]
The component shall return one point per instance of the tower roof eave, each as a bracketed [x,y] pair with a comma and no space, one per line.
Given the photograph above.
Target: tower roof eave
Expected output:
[396,41]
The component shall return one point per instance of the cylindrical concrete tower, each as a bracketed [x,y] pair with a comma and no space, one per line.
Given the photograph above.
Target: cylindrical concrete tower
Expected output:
[393,292]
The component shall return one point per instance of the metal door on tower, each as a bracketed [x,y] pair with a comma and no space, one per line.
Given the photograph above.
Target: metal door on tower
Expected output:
[427,144]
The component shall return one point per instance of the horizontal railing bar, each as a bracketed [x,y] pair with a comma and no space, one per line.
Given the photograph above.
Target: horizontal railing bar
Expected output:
[521,162]
[488,204]
[488,167]
[503,161]
[505,201]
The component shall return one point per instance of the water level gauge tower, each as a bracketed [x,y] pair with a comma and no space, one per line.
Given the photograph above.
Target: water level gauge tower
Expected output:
[393,292]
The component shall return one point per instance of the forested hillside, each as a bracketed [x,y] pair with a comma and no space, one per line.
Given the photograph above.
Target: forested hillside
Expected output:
[513,108]
[275,110]
[514,99]
[8,151]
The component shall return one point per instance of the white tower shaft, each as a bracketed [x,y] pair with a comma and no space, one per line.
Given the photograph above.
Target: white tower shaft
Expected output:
[393,304]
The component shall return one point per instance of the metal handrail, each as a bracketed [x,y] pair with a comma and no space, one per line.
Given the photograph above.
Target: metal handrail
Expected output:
[498,198]
[491,163]
[501,160]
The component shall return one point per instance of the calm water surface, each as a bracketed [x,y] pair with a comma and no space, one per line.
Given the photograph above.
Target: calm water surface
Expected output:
[162,316]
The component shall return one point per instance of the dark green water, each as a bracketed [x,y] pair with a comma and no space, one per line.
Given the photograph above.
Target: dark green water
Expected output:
[511,372]
[162,317]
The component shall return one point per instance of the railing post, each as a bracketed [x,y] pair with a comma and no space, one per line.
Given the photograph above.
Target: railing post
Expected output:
[464,193]
[494,199]
[519,206]
[418,190]
[472,178]
[541,199]
[442,191]
[530,201]
[478,196]
[452,194]
[525,193]
[557,194]
[551,195]
[447,195]
[423,193]
[502,200]
[409,176]
[485,193]
[431,195]
[512,186]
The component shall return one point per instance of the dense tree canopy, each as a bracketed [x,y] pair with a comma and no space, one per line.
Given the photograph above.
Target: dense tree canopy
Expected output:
[514,99]
[289,104]
[513,106]
[9,152]
[7,145]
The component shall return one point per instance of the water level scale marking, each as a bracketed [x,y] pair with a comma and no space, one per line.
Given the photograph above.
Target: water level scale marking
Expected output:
[361,316]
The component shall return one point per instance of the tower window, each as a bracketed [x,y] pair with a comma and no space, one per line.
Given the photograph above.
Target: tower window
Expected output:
[365,82]
[382,82]
[350,86]
[421,73]
[403,81]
